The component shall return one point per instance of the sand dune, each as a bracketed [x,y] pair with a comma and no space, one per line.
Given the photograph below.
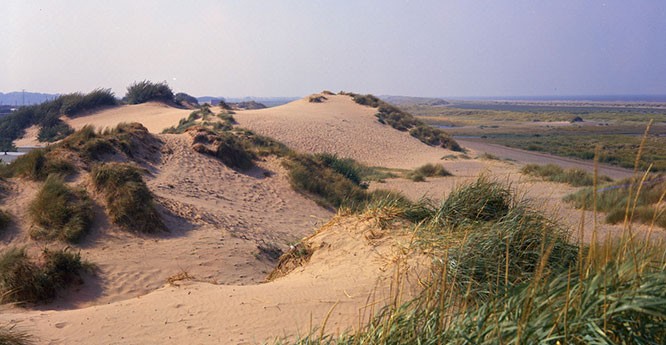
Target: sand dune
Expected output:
[153,115]
[339,125]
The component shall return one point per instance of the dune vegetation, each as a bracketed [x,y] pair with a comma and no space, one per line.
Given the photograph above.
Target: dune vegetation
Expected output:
[37,165]
[146,91]
[403,121]
[47,115]
[129,201]
[427,170]
[555,173]
[25,281]
[60,212]
[504,273]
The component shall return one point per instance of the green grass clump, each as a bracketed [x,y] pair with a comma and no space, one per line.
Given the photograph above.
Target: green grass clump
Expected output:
[616,198]
[93,146]
[481,201]
[129,201]
[38,164]
[403,121]
[555,173]
[186,100]
[145,91]
[25,281]
[60,212]
[431,170]
[312,175]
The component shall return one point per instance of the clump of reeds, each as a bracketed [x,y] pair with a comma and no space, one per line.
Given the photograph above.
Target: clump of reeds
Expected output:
[551,172]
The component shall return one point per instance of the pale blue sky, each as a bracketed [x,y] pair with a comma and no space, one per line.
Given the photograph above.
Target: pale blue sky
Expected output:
[293,48]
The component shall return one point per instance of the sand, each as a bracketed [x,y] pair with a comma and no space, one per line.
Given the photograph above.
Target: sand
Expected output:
[218,218]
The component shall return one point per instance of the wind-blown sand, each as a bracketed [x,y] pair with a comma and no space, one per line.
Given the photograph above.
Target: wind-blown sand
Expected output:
[219,217]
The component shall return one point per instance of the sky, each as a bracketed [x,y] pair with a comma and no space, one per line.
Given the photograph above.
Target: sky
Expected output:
[426,48]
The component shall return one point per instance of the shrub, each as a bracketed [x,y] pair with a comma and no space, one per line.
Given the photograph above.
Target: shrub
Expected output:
[129,201]
[317,98]
[145,91]
[24,281]
[231,151]
[53,131]
[61,212]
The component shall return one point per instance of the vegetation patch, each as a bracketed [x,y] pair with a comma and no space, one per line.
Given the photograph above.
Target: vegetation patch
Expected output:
[38,164]
[47,115]
[403,121]
[129,202]
[146,91]
[317,98]
[623,200]
[428,170]
[126,138]
[186,100]
[555,173]
[514,278]
[25,281]
[60,212]
[297,256]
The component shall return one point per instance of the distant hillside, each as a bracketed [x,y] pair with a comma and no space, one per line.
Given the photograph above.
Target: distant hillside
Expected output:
[17,98]
[406,100]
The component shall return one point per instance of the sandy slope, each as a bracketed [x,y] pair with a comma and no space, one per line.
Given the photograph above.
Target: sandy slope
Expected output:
[339,125]
[153,115]
[202,313]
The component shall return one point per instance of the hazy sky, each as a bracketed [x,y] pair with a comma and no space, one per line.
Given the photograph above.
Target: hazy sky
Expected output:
[293,48]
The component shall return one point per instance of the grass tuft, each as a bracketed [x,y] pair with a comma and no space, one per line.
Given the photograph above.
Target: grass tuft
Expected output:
[38,164]
[9,335]
[60,212]
[555,173]
[129,201]
[25,281]
[5,220]
[146,91]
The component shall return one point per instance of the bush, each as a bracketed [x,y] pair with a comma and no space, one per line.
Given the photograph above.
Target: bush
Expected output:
[24,281]
[145,91]
[60,212]
[129,201]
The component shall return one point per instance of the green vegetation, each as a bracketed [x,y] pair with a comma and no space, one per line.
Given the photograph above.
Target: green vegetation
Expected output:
[146,91]
[202,117]
[428,170]
[25,281]
[615,199]
[94,146]
[555,173]
[47,115]
[9,335]
[403,121]
[616,149]
[38,164]
[60,212]
[129,201]
[317,98]
[511,276]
